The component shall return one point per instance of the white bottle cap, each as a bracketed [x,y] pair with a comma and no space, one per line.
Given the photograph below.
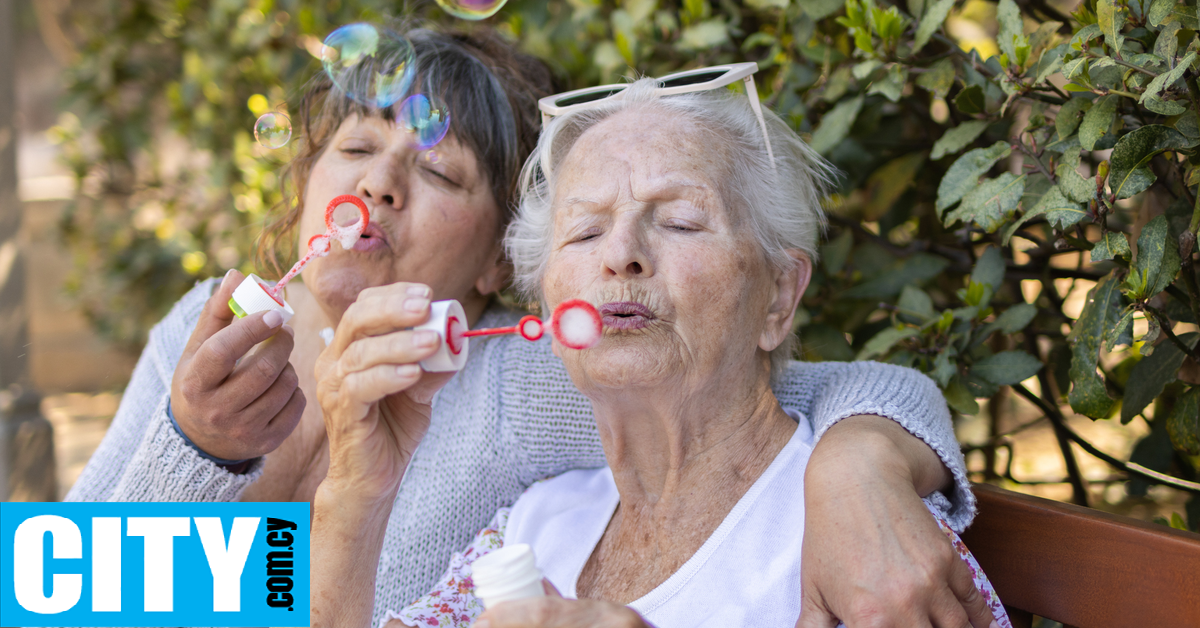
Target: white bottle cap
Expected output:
[507,574]
[449,320]
[252,297]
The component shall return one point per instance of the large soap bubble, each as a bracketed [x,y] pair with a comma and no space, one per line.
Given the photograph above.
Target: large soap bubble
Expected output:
[427,117]
[471,9]
[371,64]
[273,130]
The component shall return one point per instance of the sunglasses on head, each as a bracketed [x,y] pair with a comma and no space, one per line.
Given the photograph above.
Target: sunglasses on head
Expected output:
[686,82]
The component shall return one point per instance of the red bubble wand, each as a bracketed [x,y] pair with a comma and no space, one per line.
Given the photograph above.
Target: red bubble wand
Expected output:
[320,244]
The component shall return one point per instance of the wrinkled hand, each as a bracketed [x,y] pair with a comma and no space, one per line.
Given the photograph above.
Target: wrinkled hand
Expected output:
[553,611]
[373,394]
[234,393]
[874,556]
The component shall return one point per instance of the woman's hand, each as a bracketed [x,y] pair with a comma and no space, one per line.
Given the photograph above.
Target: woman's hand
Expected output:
[553,611]
[373,394]
[234,393]
[873,554]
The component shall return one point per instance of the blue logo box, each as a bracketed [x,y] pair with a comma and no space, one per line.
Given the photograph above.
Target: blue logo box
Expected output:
[154,564]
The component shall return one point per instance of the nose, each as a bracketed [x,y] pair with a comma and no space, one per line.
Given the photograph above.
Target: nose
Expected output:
[626,254]
[383,181]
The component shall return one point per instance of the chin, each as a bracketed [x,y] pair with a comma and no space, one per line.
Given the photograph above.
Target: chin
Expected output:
[621,367]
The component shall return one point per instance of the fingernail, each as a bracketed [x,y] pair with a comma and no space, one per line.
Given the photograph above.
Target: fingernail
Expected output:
[416,305]
[273,319]
[425,338]
[418,291]
[225,279]
[408,370]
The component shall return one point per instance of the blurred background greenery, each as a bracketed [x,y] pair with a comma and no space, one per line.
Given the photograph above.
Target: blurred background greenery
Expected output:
[970,236]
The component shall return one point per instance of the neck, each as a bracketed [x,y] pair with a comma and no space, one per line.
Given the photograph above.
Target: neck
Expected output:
[678,440]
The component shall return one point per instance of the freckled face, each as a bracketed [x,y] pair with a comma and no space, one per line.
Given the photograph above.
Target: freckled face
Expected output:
[432,223]
[643,230]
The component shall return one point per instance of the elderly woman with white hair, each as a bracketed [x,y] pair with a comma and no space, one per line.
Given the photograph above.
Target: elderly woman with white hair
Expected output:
[691,220]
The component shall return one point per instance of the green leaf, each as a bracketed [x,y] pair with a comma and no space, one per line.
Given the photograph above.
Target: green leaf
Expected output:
[1097,121]
[1150,375]
[1164,107]
[864,69]
[1074,67]
[835,125]
[883,342]
[821,9]
[1015,318]
[1049,62]
[964,173]
[989,204]
[1184,425]
[971,100]
[931,22]
[1085,34]
[1167,43]
[1123,328]
[1167,79]
[891,86]
[704,35]
[1130,161]
[916,303]
[939,79]
[1070,182]
[1111,244]
[888,182]
[1110,18]
[1157,256]
[1088,395]
[944,367]
[1159,10]
[917,269]
[989,270]
[1069,116]
[1007,367]
[1012,30]
[958,138]
[1058,209]
[822,343]
[959,398]
[835,252]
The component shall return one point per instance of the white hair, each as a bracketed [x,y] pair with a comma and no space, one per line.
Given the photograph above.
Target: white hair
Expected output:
[782,200]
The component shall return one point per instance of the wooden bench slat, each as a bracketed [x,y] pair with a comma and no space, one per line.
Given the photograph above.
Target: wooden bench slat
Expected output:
[1084,567]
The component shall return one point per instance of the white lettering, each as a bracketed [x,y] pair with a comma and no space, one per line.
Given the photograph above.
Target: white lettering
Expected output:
[160,533]
[66,542]
[106,564]
[227,563]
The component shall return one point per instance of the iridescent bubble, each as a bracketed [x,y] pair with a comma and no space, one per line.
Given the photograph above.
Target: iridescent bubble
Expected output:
[471,9]
[371,64]
[432,157]
[426,117]
[273,130]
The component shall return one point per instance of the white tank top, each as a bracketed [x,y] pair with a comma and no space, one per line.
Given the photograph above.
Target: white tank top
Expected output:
[746,574]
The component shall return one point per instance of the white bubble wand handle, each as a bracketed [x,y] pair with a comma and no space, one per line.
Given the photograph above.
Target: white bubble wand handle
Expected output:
[575,323]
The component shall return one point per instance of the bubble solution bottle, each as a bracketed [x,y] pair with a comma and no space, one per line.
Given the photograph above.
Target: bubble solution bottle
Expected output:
[507,574]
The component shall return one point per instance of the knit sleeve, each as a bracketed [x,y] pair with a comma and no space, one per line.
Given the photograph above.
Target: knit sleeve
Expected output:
[828,392]
[142,457]
[452,602]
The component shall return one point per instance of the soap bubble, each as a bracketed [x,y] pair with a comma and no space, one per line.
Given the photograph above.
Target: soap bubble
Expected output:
[425,116]
[471,9]
[432,157]
[371,64]
[273,130]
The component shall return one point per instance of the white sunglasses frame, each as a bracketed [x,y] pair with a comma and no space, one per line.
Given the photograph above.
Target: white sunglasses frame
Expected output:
[733,71]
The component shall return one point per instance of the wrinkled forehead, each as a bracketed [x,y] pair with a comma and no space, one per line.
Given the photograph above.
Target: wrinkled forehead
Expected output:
[647,146]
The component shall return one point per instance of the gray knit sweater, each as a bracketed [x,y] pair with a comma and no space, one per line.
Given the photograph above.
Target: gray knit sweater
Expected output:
[511,417]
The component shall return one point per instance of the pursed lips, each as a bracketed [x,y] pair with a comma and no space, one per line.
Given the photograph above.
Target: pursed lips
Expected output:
[372,239]
[626,315]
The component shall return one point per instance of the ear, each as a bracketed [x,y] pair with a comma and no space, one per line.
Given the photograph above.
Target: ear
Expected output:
[789,288]
[495,275]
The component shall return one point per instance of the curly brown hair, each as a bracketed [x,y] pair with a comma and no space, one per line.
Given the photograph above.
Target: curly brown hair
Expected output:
[490,88]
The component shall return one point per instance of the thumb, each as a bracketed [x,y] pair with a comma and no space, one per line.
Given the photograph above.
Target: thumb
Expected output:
[969,596]
[551,590]
[216,315]
[814,613]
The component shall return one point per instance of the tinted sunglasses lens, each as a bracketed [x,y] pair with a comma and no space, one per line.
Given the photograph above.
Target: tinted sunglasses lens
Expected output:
[692,79]
[579,99]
